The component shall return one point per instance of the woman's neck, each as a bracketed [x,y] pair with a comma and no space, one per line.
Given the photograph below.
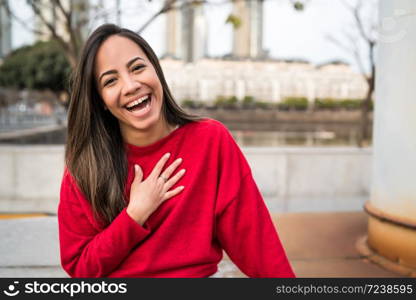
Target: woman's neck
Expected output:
[149,136]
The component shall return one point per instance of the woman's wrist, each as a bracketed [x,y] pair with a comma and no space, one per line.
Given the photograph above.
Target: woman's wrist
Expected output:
[136,215]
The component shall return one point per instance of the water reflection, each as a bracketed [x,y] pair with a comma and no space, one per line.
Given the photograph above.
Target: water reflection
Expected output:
[278,138]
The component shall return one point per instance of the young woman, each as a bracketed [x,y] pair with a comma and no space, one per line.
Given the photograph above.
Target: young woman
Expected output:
[127,207]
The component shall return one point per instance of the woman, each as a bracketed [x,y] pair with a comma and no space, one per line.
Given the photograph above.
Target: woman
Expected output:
[127,209]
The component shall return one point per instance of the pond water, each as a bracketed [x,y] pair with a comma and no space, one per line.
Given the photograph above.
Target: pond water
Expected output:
[275,138]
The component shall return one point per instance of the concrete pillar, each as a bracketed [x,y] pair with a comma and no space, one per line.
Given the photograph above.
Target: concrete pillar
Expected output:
[203,88]
[310,91]
[392,205]
[173,34]
[193,33]
[248,38]
[240,89]
[275,87]
[228,88]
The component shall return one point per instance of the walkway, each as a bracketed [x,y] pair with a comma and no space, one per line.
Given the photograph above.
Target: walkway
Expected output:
[318,245]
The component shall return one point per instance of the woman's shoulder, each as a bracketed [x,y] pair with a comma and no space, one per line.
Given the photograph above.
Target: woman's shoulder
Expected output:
[208,125]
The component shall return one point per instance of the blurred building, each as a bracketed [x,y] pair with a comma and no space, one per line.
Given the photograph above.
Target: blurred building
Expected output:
[5,29]
[186,33]
[248,35]
[266,80]
[247,71]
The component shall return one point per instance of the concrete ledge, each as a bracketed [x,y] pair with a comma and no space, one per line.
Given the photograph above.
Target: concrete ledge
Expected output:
[290,179]
[29,242]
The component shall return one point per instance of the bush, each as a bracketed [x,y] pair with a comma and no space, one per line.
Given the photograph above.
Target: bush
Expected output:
[327,103]
[38,67]
[351,104]
[294,103]
[333,104]
[264,105]
[249,102]
[223,102]
[188,103]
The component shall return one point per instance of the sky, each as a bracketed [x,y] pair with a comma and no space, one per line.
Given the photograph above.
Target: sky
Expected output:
[287,33]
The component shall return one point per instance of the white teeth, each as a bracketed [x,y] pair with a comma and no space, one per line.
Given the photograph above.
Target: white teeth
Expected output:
[138,101]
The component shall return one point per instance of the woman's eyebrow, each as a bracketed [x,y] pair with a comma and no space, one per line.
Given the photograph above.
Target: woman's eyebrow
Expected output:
[130,62]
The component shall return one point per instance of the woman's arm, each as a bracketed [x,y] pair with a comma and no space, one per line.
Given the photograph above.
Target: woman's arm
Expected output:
[88,250]
[243,224]
[85,250]
[248,235]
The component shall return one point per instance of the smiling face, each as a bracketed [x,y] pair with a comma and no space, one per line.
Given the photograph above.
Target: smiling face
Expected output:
[129,86]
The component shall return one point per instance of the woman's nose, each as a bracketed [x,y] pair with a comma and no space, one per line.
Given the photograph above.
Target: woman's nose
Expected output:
[130,86]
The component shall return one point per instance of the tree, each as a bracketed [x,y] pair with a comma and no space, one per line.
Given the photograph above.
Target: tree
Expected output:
[70,18]
[366,32]
[41,66]
[64,23]
[64,27]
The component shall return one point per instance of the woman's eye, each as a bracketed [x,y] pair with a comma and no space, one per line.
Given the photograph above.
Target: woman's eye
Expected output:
[138,67]
[110,81]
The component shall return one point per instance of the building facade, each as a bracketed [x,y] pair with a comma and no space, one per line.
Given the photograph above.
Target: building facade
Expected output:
[186,36]
[264,80]
[248,36]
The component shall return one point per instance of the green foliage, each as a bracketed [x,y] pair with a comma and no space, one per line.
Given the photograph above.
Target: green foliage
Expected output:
[334,104]
[299,6]
[188,103]
[38,67]
[351,104]
[327,103]
[230,102]
[264,105]
[295,103]
[234,20]
[249,102]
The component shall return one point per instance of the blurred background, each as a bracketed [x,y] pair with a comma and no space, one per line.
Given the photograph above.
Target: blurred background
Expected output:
[319,94]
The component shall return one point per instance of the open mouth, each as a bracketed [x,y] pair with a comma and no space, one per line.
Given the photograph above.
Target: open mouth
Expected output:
[139,103]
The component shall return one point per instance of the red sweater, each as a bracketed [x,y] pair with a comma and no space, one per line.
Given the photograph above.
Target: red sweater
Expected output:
[220,208]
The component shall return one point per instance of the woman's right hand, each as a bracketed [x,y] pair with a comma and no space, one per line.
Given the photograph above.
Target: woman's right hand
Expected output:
[147,195]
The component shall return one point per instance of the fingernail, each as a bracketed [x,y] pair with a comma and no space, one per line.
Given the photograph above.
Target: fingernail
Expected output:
[181,187]
[136,168]
[183,171]
[167,154]
[179,159]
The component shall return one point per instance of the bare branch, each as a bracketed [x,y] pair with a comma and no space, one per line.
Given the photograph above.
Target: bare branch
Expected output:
[38,13]
[339,44]
[72,32]
[351,47]
[355,11]
[22,22]
[168,6]
[49,25]
[358,19]
[165,8]
[66,14]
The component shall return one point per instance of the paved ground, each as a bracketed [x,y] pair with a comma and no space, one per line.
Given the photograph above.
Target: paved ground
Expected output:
[318,245]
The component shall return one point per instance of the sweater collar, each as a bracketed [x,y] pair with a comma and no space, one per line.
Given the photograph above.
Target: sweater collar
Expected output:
[134,151]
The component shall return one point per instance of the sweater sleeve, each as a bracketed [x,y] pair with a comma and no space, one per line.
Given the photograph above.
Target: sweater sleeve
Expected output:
[247,234]
[244,226]
[86,250]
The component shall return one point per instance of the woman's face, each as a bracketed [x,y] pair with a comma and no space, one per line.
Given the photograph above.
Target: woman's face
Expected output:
[128,85]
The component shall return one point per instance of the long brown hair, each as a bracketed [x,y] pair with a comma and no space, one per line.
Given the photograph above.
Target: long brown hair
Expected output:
[95,154]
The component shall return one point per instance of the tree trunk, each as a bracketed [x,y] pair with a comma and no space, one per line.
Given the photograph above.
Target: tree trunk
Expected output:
[363,134]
